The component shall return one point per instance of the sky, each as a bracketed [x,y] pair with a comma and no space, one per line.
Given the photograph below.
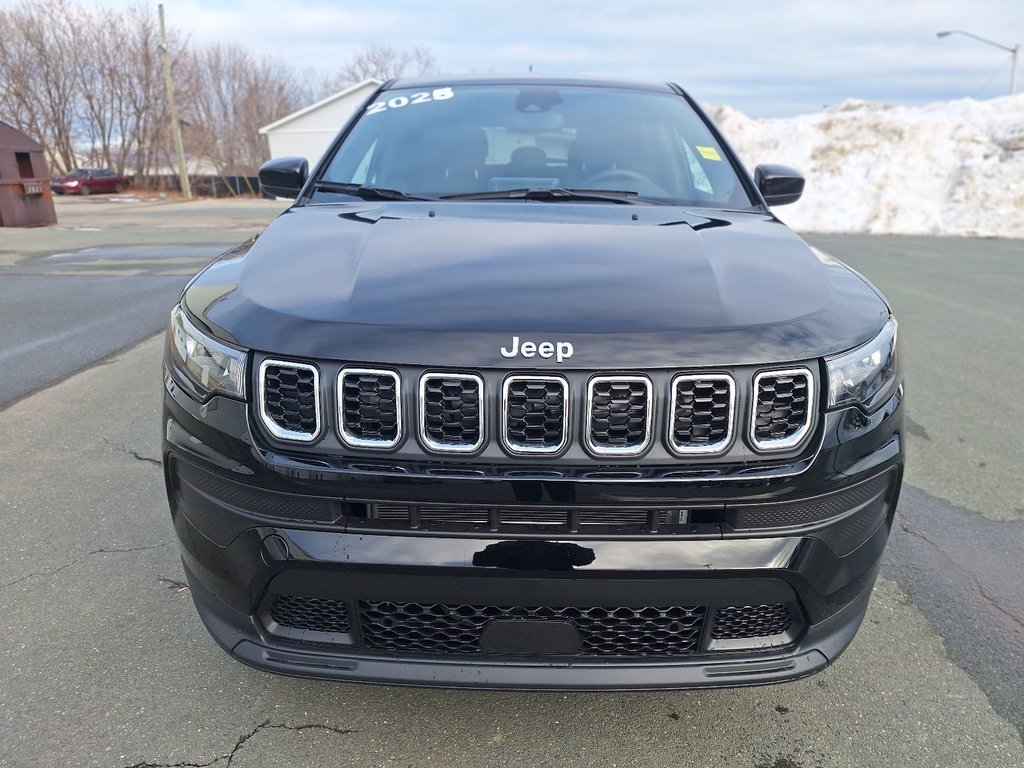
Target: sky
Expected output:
[764,58]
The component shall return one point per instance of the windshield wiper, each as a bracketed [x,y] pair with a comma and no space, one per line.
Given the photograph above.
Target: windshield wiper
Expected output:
[553,194]
[364,192]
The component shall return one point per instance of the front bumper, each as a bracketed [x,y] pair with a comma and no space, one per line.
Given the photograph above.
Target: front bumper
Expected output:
[246,637]
[231,503]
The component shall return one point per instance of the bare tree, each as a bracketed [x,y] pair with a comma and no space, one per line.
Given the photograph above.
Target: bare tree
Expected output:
[145,100]
[38,92]
[229,95]
[87,83]
[102,102]
[382,62]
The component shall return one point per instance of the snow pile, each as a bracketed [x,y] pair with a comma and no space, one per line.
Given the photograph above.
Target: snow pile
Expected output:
[952,168]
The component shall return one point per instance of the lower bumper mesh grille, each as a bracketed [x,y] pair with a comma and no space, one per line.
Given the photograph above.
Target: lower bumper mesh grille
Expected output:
[310,613]
[433,628]
[410,628]
[743,622]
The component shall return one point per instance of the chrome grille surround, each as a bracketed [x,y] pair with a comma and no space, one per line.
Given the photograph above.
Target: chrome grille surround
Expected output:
[798,437]
[701,449]
[268,422]
[526,449]
[362,442]
[438,447]
[662,416]
[625,450]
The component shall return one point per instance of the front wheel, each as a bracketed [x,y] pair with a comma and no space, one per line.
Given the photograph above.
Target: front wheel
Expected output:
[85,190]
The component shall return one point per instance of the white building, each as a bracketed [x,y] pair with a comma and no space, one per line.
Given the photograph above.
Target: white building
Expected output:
[308,132]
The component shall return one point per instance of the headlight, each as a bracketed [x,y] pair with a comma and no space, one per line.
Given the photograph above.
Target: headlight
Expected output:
[210,366]
[866,376]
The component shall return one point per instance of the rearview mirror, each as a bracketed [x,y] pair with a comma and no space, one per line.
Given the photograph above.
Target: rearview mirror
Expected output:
[283,177]
[778,184]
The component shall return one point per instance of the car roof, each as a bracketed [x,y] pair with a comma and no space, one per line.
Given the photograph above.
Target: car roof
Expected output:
[435,81]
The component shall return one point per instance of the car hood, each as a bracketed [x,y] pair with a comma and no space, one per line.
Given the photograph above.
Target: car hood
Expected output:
[451,283]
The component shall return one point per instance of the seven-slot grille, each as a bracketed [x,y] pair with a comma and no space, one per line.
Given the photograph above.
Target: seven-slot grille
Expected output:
[620,415]
[702,413]
[452,417]
[782,408]
[290,399]
[535,417]
[535,414]
[369,407]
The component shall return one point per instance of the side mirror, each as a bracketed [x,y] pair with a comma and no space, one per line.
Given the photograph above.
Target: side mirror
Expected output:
[284,176]
[778,184]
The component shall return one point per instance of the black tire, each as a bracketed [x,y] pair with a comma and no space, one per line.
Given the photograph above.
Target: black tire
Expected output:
[85,190]
[119,188]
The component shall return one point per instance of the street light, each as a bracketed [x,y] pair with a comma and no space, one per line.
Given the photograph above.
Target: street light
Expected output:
[1013,52]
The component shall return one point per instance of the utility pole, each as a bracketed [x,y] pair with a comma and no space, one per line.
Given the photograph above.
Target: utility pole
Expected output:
[186,188]
[1014,52]
[1013,71]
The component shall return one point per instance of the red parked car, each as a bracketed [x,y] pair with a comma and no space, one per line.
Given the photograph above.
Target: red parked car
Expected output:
[88,181]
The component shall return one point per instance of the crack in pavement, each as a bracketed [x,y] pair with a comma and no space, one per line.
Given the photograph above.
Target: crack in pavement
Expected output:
[976,586]
[916,429]
[77,560]
[131,452]
[230,756]
[177,586]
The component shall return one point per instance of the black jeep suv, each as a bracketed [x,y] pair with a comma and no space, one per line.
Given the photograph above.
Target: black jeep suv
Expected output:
[530,389]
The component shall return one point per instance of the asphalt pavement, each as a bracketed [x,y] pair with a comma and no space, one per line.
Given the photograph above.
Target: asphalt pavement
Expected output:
[960,305]
[103,279]
[960,533]
[104,662]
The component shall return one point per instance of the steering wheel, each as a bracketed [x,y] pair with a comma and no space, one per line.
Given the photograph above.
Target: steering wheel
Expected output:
[617,173]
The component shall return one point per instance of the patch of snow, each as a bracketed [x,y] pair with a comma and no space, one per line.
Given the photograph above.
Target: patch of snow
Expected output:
[950,168]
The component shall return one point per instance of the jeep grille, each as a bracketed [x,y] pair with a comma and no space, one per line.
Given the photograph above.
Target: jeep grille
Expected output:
[450,411]
[620,415]
[370,408]
[290,400]
[702,413]
[535,412]
[782,412]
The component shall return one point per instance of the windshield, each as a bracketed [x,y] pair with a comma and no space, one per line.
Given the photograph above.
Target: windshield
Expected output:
[79,173]
[475,139]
